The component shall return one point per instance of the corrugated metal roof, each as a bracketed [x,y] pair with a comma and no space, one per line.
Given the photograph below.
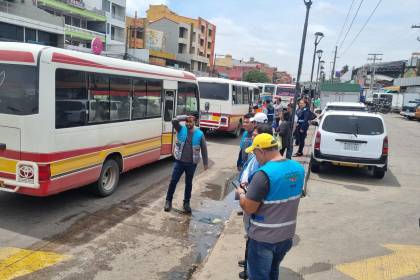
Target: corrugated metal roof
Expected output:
[412,81]
[340,87]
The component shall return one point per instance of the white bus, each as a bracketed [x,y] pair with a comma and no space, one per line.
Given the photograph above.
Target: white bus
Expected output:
[267,91]
[68,119]
[224,102]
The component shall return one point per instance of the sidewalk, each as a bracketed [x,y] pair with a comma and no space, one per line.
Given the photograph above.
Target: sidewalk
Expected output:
[222,262]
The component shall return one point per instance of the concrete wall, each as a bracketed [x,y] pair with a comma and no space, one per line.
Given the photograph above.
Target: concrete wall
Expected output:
[171,34]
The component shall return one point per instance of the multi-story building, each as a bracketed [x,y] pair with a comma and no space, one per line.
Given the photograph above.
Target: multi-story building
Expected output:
[82,23]
[236,69]
[174,40]
[22,21]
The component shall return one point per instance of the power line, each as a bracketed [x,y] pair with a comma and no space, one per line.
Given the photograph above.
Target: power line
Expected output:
[351,24]
[345,22]
[363,27]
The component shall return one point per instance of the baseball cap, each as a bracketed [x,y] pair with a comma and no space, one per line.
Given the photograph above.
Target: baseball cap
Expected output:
[262,141]
[259,118]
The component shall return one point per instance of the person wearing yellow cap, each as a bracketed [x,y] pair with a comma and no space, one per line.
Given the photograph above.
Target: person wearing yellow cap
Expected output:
[272,201]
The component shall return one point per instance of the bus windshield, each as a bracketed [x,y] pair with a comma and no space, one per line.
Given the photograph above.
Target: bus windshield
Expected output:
[214,91]
[285,91]
[18,89]
[269,89]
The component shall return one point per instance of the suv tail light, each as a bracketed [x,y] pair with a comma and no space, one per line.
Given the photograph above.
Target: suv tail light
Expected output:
[318,141]
[385,146]
[44,172]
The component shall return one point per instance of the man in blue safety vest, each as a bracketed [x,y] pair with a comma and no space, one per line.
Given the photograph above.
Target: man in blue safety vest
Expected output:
[272,200]
[190,140]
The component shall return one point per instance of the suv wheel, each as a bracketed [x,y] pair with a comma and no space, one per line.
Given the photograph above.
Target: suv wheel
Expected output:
[315,166]
[108,180]
[378,172]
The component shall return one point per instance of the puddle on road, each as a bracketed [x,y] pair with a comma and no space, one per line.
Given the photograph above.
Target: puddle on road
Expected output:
[206,224]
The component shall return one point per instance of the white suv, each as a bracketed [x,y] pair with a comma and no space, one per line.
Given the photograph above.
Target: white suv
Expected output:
[355,139]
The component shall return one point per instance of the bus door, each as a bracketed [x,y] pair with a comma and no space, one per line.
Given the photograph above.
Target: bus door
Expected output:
[168,115]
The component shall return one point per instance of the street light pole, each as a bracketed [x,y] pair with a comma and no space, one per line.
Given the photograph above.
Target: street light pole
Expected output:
[318,38]
[289,152]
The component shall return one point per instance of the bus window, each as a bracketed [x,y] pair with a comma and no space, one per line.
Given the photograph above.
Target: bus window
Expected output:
[120,89]
[187,101]
[234,94]
[18,89]
[245,95]
[147,98]
[154,97]
[239,90]
[70,98]
[215,91]
[99,95]
[269,89]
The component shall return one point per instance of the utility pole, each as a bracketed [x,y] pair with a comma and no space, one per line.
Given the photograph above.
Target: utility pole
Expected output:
[333,68]
[416,26]
[374,57]
[289,150]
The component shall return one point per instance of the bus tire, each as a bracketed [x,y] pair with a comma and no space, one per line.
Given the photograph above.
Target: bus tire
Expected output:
[237,132]
[108,180]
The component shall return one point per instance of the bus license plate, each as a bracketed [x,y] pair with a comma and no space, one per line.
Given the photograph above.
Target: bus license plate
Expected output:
[351,146]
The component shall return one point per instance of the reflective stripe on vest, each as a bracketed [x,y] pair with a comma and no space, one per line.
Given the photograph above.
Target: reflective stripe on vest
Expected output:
[275,220]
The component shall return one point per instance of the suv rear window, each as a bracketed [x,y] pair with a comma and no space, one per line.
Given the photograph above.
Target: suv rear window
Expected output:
[18,89]
[360,125]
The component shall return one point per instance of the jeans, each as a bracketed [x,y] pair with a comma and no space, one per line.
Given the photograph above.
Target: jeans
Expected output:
[264,259]
[179,168]
[301,136]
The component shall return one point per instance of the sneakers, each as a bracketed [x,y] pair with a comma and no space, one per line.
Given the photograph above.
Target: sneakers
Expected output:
[241,263]
[298,155]
[187,207]
[168,206]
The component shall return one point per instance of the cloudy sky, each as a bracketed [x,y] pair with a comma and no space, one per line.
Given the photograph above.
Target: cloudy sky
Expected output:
[271,31]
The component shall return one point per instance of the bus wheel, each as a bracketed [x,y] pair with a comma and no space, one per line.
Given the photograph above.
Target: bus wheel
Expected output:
[109,178]
[237,132]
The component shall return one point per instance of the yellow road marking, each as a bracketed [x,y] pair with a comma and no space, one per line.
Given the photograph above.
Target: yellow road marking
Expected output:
[16,262]
[404,261]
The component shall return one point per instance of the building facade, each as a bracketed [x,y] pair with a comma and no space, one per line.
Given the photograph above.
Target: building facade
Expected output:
[71,24]
[174,40]
[22,21]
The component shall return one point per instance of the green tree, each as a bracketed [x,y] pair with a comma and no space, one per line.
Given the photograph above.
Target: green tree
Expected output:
[256,76]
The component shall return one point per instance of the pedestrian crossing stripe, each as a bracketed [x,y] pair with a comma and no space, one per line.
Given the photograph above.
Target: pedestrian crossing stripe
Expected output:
[15,262]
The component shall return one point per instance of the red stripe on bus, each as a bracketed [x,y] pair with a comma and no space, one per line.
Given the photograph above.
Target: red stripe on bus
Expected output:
[7,175]
[16,56]
[63,58]
[43,157]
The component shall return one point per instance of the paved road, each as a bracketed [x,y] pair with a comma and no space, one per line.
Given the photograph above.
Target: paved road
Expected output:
[351,217]
[118,236]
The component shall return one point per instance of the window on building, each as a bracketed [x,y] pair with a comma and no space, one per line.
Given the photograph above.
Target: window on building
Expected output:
[112,33]
[10,32]
[106,5]
[192,50]
[202,42]
[108,28]
[181,48]
[203,29]
[30,35]
[194,35]
[71,99]
[183,32]
[119,91]
[209,45]
[187,99]
[67,20]
[46,38]
[76,22]
[210,32]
